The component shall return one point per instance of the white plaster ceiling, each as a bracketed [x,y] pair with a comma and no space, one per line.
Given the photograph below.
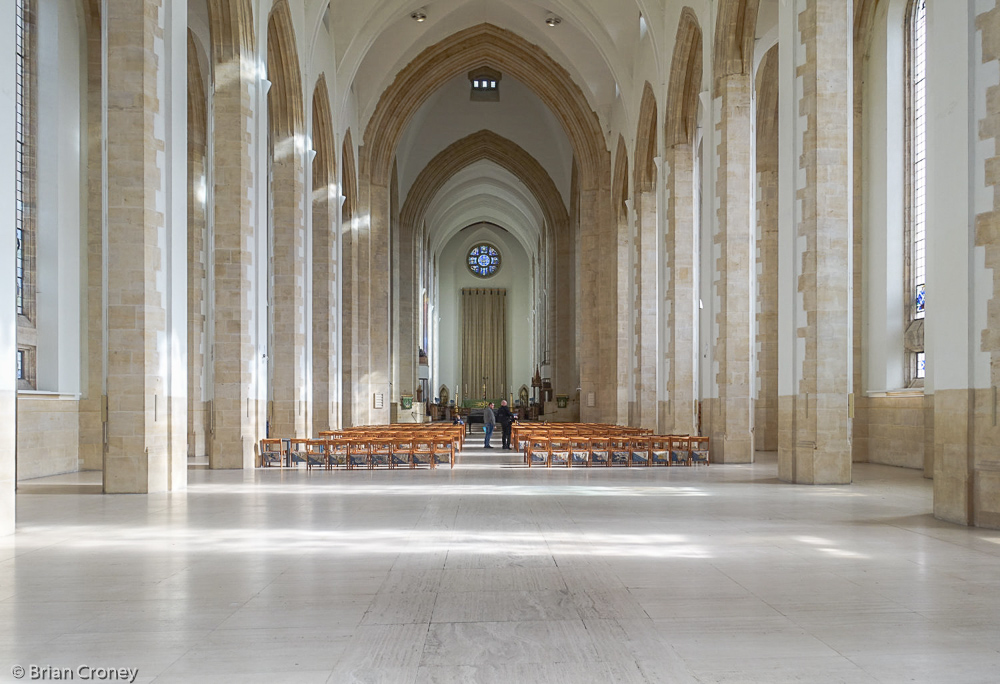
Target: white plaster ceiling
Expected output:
[484,192]
[375,40]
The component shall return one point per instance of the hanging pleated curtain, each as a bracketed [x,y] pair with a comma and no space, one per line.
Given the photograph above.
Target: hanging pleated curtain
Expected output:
[484,342]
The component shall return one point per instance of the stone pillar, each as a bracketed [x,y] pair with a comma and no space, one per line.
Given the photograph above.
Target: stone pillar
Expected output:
[646,305]
[963,279]
[348,304]
[143,234]
[621,255]
[92,401]
[288,339]
[196,253]
[324,301]
[8,310]
[598,305]
[232,354]
[816,344]
[731,425]
[766,402]
[679,412]
[406,307]
[377,338]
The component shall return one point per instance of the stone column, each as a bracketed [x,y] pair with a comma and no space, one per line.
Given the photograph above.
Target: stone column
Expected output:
[232,352]
[679,412]
[816,344]
[288,339]
[8,311]
[406,307]
[377,338]
[91,404]
[731,425]
[766,403]
[196,253]
[598,305]
[142,147]
[963,275]
[324,300]
[646,306]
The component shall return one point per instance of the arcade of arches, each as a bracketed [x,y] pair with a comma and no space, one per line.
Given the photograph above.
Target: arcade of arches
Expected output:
[242,216]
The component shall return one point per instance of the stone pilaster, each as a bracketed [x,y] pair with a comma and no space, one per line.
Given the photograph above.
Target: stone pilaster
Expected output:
[815,444]
[288,339]
[732,435]
[348,304]
[678,414]
[232,352]
[137,457]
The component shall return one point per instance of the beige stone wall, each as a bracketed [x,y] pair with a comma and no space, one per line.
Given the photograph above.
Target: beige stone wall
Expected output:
[48,436]
[897,431]
[196,257]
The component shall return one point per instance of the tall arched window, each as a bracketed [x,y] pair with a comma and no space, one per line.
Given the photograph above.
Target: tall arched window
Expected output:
[24,189]
[915,285]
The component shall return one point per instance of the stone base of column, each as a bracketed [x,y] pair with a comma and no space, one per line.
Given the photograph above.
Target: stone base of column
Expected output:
[804,459]
[967,457]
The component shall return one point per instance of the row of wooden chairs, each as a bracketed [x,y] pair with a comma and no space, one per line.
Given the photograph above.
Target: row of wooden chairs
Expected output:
[359,453]
[616,450]
[433,430]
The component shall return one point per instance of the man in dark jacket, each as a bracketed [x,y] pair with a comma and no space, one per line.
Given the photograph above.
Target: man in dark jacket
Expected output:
[489,421]
[506,420]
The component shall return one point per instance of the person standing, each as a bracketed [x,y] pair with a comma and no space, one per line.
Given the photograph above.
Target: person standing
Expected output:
[506,420]
[489,421]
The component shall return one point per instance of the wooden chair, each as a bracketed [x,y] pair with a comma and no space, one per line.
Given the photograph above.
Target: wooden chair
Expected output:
[600,451]
[680,452]
[639,449]
[621,451]
[402,453]
[336,453]
[559,451]
[698,449]
[316,454]
[272,452]
[381,452]
[579,451]
[659,450]
[423,452]
[443,451]
[538,451]
[359,453]
[297,451]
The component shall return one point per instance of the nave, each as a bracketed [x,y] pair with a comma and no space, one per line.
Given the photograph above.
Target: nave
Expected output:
[491,572]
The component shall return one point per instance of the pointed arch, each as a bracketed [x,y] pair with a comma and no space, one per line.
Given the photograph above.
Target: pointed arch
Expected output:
[325,163]
[685,81]
[230,23]
[646,142]
[284,102]
[482,45]
[735,30]
[348,178]
[490,146]
[619,181]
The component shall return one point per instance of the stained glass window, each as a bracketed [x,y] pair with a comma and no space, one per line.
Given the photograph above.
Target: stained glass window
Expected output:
[484,260]
[20,364]
[921,364]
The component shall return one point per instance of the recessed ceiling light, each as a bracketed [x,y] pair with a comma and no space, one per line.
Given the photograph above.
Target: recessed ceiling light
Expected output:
[419,15]
[553,20]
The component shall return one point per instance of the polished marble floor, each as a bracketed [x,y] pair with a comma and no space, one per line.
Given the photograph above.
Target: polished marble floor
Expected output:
[495,573]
